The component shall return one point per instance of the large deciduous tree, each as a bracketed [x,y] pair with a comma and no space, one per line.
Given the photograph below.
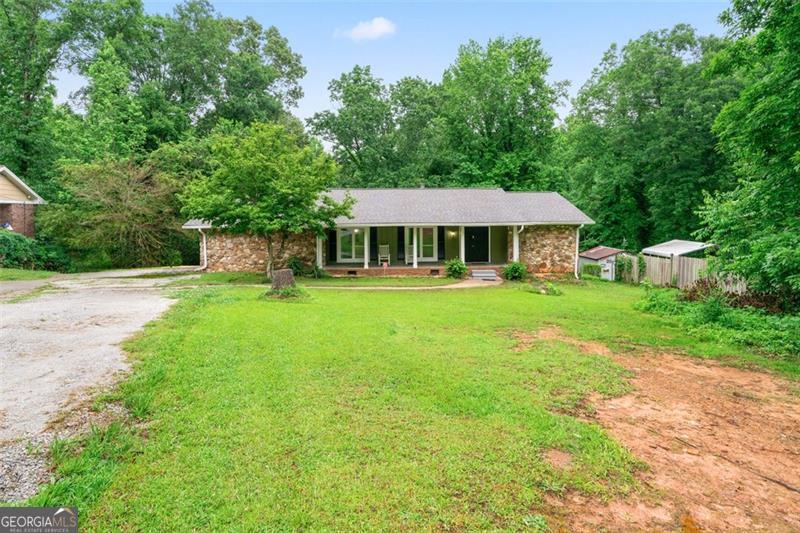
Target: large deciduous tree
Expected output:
[490,122]
[360,130]
[499,111]
[120,213]
[34,39]
[757,225]
[268,182]
[639,149]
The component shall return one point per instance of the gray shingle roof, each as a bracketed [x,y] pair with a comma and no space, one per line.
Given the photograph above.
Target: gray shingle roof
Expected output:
[458,207]
[452,207]
[196,223]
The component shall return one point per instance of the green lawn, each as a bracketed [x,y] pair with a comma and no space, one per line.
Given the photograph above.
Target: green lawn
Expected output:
[363,410]
[250,278]
[376,282]
[15,274]
[221,278]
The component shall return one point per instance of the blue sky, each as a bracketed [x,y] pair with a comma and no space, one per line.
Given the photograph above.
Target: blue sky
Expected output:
[426,35]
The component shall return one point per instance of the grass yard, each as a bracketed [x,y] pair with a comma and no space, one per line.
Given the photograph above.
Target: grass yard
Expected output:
[251,278]
[363,410]
[221,278]
[16,274]
[407,281]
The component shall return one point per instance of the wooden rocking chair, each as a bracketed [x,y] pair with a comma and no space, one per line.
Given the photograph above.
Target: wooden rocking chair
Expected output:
[383,254]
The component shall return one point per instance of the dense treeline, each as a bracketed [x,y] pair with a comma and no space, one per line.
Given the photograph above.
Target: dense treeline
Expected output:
[490,122]
[637,151]
[675,135]
[111,161]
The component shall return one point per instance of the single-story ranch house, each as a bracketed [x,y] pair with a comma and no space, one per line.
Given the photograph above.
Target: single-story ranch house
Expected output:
[414,231]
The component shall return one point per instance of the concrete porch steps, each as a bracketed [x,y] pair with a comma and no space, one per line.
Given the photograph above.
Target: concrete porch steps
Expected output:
[484,275]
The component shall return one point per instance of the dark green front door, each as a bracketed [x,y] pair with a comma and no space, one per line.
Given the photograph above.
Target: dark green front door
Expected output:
[476,244]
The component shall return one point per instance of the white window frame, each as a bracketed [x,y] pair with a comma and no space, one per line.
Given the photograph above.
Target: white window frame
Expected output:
[409,240]
[352,259]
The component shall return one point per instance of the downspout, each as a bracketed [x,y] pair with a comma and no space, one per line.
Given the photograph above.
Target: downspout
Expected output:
[577,244]
[515,240]
[204,257]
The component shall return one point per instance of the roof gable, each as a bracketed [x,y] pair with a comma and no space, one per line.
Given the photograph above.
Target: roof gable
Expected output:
[14,191]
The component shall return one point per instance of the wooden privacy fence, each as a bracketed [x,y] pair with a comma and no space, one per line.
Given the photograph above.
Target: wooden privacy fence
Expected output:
[676,271]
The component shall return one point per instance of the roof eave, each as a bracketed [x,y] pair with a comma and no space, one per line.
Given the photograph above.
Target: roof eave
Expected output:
[469,224]
[37,200]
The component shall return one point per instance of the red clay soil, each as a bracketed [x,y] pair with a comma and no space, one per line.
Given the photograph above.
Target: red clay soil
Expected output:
[722,445]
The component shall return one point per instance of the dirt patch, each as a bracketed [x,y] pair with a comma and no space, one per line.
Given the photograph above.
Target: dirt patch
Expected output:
[558,458]
[526,339]
[723,446]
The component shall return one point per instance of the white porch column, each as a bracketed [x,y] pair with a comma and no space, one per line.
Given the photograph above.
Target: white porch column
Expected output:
[414,231]
[462,254]
[319,251]
[366,247]
[577,243]
[515,252]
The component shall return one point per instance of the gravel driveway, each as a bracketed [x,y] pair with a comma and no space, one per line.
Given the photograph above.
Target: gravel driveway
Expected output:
[59,338]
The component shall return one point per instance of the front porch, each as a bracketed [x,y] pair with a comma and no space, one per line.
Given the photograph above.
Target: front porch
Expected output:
[414,250]
[423,269]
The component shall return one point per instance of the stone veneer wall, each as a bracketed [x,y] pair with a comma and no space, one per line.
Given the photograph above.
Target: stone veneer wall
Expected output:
[246,253]
[20,216]
[546,249]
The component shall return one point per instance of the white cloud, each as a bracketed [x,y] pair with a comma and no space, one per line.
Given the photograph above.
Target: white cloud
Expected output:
[369,30]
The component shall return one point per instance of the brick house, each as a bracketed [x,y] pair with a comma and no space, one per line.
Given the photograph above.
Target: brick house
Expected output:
[414,231]
[17,203]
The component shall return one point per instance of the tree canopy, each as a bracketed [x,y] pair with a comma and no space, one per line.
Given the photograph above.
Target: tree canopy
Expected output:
[266,181]
[638,148]
[757,224]
[490,122]
[675,135]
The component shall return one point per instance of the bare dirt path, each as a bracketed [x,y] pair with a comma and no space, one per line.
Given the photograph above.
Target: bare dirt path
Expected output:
[722,445]
[57,344]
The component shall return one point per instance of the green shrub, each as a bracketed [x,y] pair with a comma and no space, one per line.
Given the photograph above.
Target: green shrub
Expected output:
[287,293]
[591,269]
[658,301]
[551,290]
[515,271]
[19,251]
[712,318]
[543,287]
[713,309]
[318,272]
[455,268]
[623,268]
[296,265]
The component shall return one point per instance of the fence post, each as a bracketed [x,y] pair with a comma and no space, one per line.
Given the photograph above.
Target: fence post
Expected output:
[671,270]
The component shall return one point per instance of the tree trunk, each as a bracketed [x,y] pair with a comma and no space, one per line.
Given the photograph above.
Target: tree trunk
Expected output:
[269,256]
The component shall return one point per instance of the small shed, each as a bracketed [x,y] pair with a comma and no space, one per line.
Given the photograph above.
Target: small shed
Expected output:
[676,248]
[605,256]
[17,203]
